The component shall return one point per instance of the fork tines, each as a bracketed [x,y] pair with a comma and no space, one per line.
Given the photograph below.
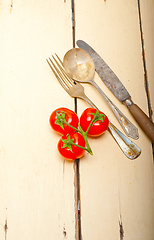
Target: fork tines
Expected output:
[56,66]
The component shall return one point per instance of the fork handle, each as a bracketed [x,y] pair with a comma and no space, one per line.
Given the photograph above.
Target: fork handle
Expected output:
[127,126]
[130,149]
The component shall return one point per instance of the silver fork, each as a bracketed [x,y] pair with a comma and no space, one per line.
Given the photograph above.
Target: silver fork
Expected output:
[74,89]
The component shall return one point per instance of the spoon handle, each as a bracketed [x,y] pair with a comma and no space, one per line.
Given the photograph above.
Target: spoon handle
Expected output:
[130,149]
[127,126]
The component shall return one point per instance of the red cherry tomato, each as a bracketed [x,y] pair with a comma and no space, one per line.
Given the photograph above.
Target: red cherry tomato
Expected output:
[70,117]
[98,127]
[69,151]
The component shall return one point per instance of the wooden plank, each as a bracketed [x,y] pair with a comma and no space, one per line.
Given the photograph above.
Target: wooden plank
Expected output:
[37,189]
[36,184]
[116,193]
[147,24]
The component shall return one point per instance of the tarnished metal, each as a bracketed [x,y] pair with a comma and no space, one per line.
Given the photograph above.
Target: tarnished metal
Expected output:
[130,149]
[128,102]
[118,89]
[105,73]
[80,66]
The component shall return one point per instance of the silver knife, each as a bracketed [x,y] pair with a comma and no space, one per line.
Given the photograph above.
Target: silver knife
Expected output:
[118,89]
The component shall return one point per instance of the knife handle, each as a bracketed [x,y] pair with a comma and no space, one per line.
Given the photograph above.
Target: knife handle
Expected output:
[142,119]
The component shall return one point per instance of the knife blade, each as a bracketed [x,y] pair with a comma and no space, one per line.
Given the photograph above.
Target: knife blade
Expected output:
[115,85]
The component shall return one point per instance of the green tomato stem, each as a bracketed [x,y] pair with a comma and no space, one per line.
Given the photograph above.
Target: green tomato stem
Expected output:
[86,149]
[96,117]
[80,130]
[84,134]
[64,121]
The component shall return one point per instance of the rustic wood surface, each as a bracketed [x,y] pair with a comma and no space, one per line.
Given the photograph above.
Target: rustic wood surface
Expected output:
[42,196]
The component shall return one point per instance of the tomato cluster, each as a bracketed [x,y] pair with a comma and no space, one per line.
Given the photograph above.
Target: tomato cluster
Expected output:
[73,143]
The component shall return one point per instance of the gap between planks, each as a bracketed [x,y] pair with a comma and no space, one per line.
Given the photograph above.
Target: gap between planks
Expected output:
[145,67]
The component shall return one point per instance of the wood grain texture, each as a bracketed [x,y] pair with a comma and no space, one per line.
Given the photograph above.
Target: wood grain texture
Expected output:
[117,194]
[36,184]
[38,189]
[147,20]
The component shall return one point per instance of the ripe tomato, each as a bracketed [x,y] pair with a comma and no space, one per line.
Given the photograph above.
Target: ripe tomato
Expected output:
[70,117]
[68,150]
[98,127]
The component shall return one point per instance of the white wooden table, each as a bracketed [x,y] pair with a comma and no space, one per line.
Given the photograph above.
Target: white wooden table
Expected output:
[39,191]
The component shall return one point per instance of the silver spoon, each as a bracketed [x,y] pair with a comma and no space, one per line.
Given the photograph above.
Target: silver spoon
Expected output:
[80,66]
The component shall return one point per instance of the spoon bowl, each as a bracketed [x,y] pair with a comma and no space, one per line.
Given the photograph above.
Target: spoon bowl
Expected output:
[79,65]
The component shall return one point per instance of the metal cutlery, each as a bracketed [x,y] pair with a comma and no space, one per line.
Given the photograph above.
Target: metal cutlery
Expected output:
[80,66]
[118,89]
[130,149]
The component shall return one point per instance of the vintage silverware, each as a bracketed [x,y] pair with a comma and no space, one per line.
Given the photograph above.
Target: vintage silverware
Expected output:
[130,149]
[118,89]
[80,66]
